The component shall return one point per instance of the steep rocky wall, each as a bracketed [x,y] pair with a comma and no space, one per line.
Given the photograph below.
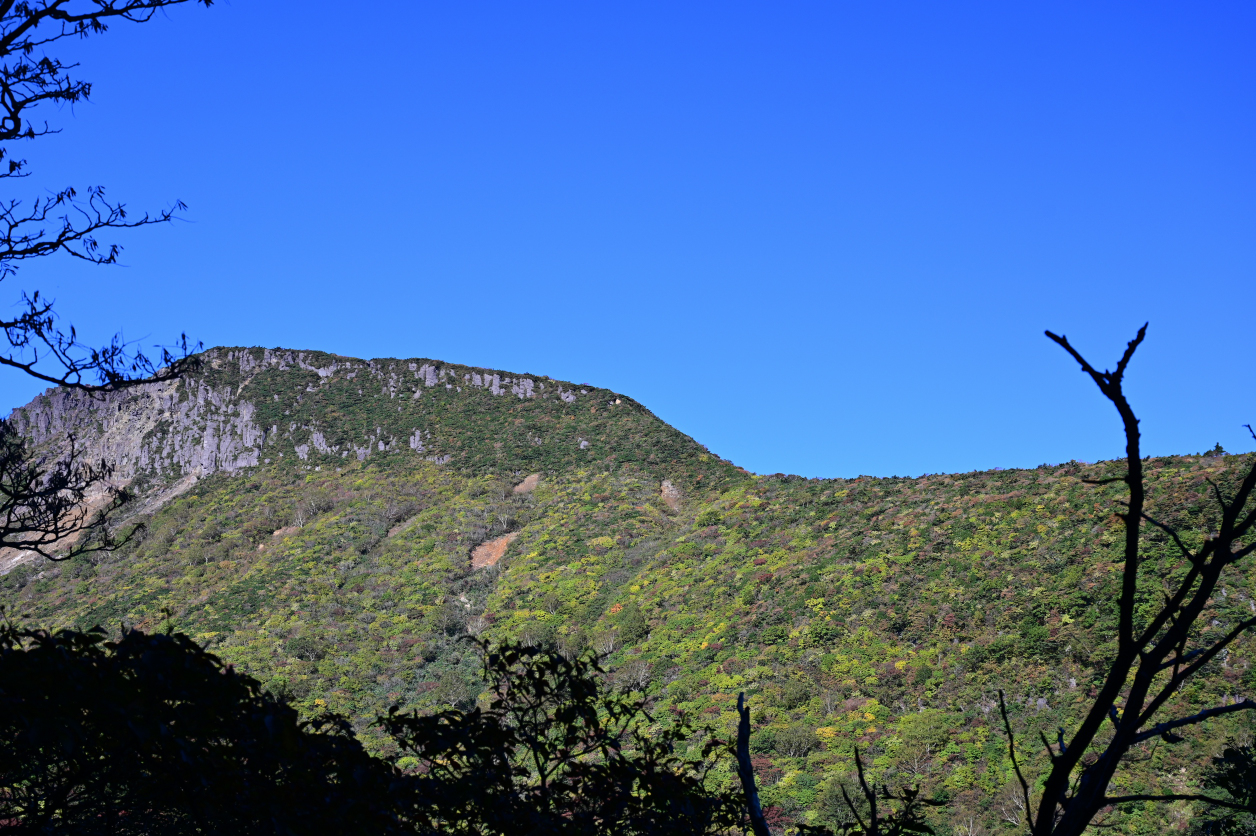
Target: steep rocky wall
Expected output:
[166,429]
[204,423]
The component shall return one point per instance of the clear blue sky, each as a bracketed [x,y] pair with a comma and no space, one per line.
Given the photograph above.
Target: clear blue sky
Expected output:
[821,238]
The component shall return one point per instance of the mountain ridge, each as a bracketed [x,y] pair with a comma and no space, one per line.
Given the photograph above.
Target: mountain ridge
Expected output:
[244,403]
[878,612]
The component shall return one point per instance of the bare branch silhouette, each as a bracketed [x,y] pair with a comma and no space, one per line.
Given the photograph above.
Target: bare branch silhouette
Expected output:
[1151,664]
[61,506]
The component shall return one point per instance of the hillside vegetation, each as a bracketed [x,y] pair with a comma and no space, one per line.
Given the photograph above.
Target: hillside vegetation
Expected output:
[883,613]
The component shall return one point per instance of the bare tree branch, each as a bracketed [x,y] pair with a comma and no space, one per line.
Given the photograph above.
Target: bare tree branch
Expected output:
[63,222]
[62,508]
[1207,799]
[1190,670]
[1206,714]
[35,338]
[49,510]
[1011,750]
[745,771]
[1074,791]
[1177,541]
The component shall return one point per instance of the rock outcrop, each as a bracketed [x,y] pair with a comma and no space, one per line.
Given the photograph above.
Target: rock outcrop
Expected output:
[167,429]
[208,421]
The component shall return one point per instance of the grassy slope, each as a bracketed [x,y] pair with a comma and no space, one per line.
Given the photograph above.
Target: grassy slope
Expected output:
[883,612]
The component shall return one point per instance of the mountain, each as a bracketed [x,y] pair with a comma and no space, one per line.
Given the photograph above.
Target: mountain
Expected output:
[253,406]
[338,528]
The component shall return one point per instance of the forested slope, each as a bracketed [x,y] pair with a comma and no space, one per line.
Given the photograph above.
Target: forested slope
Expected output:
[883,613]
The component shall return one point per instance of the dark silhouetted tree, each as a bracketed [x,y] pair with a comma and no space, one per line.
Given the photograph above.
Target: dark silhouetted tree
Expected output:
[1160,648]
[43,504]
[878,812]
[150,734]
[555,751]
[1231,776]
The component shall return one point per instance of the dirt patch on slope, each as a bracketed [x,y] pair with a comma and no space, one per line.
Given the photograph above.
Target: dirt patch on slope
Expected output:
[10,559]
[528,484]
[491,551]
[670,494]
[402,526]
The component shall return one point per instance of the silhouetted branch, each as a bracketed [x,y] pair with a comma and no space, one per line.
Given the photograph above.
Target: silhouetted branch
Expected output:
[745,771]
[1207,799]
[64,222]
[26,27]
[1177,541]
[63,508]
[47,510]
[1011,750]
[1203,658]
[1074,791]
[36,335]
[1207,714]
[1180,658]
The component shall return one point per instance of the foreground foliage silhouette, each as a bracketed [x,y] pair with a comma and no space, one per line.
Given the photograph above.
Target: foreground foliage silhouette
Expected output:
[554,752]
[151,734]
[1231,776]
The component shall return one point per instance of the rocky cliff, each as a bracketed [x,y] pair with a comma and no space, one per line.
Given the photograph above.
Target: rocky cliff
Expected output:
[245,407]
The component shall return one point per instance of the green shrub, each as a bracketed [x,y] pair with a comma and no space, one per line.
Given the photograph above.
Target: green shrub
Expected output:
[708,517]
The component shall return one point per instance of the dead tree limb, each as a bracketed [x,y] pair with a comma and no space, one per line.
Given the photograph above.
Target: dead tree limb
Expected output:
[60,507]
[745,770]
[1152,660]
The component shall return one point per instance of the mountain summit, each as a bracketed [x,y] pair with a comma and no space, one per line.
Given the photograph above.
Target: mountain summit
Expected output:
[339,529]
[249,406]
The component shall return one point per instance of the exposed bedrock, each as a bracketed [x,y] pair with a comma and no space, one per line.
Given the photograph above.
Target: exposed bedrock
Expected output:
[206,423]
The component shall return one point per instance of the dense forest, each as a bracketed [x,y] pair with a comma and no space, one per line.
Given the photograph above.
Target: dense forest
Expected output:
[879,613]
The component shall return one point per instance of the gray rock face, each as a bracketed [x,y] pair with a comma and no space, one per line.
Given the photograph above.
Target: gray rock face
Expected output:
[522,387]
[192,427]
[168,429]
[174,429]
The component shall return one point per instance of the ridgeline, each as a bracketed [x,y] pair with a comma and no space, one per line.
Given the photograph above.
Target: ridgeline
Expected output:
[337,527]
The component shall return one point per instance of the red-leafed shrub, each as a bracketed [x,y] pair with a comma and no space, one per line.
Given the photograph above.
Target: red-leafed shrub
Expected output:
[777,818]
